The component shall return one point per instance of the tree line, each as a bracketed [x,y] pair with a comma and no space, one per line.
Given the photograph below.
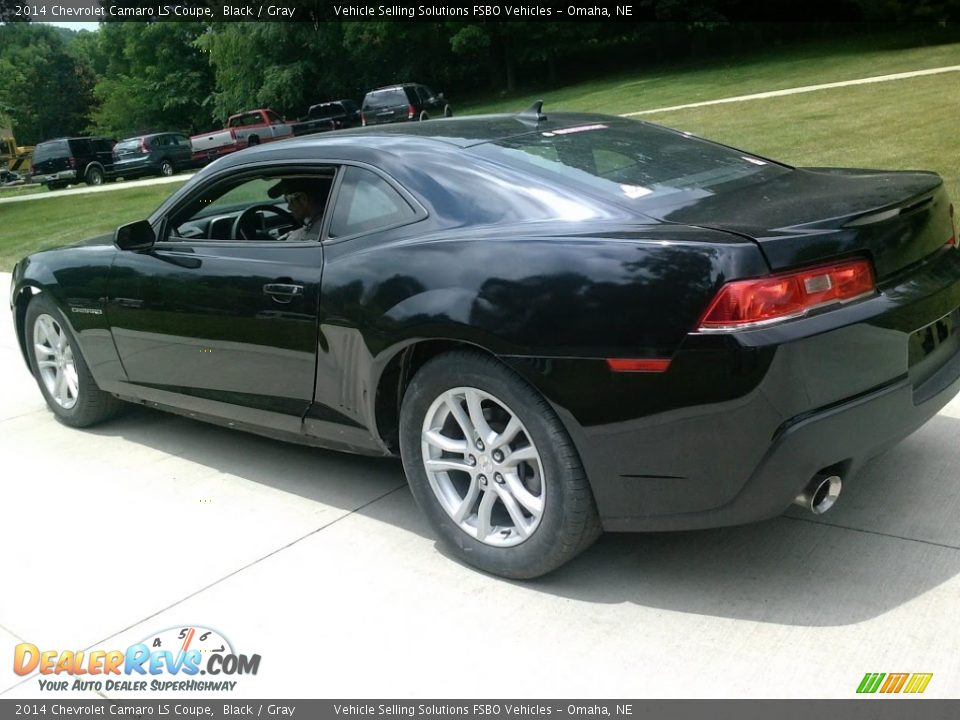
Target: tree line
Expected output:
[129,77]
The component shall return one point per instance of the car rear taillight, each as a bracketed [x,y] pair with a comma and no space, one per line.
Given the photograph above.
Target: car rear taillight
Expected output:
[748,303]
[73,161]
[143,145]
[363,120]
[411,112]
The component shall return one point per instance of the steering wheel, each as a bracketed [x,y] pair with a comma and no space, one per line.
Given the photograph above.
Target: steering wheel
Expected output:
[244,227]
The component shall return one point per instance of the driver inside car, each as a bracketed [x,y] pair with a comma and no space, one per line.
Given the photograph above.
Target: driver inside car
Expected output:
[306,199]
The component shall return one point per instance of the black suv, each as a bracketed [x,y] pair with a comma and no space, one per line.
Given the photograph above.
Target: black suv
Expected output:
[341,113]
[156,154]
[61,162]
[399,103]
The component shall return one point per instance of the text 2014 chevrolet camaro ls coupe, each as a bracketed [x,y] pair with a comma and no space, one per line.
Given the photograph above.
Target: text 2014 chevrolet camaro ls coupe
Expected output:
[561,324]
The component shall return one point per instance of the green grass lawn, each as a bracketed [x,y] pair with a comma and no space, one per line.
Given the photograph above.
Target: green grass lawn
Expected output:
[714,78]
[900,125]
[33,225]
[17,190]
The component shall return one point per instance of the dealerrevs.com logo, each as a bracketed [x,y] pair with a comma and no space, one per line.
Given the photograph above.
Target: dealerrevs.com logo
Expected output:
[170,660]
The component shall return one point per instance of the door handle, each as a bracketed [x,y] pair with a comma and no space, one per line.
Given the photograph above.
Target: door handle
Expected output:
[282,292]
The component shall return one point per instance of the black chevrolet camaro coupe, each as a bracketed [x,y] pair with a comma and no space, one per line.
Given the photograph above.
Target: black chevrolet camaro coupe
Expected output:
[561,324]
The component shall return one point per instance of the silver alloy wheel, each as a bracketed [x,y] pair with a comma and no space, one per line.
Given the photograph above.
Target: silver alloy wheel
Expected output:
[55,361]
[166,168]
[483,467]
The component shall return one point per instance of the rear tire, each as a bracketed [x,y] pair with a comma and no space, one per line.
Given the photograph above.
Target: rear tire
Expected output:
[540,512]
[447,112]
[60,370]
[94,175]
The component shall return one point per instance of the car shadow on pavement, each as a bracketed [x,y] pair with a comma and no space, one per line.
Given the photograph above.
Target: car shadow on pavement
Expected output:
[892,537]
[344,481]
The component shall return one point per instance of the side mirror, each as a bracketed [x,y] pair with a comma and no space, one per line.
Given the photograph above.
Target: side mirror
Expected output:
[135,236]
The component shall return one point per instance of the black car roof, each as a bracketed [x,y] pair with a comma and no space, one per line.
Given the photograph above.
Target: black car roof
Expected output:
[461,131]
[75,137]
[375,143]
[151,134]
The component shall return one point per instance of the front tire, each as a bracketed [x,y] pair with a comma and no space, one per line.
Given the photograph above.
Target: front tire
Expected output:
[167,169]
[492,467]
[60,370]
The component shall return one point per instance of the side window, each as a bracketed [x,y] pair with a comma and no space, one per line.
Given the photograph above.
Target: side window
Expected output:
[367,202]
[274,118]
[253,208]
[214,214]
[80,148]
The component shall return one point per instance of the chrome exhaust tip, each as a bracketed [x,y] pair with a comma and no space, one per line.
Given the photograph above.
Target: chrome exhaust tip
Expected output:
[821,494]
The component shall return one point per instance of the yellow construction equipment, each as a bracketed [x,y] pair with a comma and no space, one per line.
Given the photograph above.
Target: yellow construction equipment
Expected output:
[15,158]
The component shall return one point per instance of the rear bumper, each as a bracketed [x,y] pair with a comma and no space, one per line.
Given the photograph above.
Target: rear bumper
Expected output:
[841,438]
[740,423]
[62,176]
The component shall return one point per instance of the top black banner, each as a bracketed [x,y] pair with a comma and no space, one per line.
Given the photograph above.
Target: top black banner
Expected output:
[313,11]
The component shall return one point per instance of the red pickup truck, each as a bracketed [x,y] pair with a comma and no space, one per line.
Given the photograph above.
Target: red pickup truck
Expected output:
[252,128]
[243,130]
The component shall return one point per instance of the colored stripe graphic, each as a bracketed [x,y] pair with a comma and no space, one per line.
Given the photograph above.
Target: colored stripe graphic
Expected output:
[918,682]
[870,682]
[895,682]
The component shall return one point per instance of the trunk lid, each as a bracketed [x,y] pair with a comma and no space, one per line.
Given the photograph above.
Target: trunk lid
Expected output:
[816,214]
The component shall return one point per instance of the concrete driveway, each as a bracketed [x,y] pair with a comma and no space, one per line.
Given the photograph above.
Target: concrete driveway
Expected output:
[321,563]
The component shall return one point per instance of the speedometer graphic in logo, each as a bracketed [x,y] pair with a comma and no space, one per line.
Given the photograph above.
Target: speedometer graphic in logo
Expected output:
[184,639]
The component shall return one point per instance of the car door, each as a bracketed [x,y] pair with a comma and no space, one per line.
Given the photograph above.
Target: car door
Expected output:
[215,325]
[103,150]
[182,152]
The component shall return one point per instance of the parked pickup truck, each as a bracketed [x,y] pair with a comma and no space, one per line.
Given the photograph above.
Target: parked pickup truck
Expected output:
[332,115]
[243,130]
[251,128]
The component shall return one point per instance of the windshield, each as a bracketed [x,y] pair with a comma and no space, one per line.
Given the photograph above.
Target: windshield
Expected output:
[632,161]
[324,111]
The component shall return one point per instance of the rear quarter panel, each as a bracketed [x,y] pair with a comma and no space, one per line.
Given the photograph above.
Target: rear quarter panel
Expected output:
[522,295]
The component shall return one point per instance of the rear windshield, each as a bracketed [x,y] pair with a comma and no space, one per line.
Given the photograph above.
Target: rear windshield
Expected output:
[633,161]
[385,98]
[133,144]
[325,111]
[52,149]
